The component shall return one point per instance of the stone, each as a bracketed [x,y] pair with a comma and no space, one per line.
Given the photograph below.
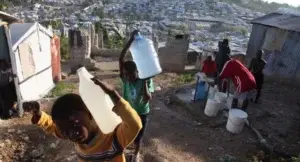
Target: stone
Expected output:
[63,75]
[53,145]
[19,132]
[2,145]
[7,141]
[11,130]
[26,138]
[158,88]
[37,153]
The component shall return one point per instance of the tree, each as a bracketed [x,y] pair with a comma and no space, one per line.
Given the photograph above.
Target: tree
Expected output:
[99,12]
[3,7]
[64,48]
[182,27]
[56,24]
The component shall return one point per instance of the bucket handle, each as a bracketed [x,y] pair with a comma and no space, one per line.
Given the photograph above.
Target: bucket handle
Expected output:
[235,123]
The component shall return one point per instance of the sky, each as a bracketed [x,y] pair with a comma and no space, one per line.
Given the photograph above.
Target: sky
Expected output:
[290,2]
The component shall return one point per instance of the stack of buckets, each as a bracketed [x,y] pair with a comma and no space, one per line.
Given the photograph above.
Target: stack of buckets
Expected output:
[218,101]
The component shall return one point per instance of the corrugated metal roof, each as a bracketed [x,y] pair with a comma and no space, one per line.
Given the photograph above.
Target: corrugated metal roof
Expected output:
[278,20]
[17,31]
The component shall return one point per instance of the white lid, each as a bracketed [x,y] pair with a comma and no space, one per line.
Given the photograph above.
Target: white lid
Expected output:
[239,113]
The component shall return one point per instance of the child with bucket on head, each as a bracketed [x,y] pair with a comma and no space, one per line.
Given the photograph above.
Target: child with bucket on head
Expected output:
[136,91]
[71,120]
[242,79]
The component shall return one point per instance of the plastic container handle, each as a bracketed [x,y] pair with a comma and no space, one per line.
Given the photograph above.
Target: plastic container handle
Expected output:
[138,36]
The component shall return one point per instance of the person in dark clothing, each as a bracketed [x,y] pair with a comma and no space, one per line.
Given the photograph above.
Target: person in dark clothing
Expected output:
[256,67]
[8,95]
[222,57]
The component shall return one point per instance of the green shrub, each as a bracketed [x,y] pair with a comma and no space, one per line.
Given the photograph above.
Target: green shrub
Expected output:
[185,78]
[115,42]
[62,88]
[296,159]
[64,48]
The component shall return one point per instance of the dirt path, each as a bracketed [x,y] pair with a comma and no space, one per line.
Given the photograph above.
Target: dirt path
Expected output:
[172,135]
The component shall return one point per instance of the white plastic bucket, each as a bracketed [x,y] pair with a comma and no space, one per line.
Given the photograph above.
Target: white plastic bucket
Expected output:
[221,97]
[212,108]
[236,120]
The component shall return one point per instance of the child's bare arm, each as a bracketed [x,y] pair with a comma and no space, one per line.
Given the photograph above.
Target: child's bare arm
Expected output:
[124,51]
[147,94]
[40,118]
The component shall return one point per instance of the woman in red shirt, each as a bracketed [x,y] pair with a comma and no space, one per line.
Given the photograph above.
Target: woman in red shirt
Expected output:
[209,67]
[242,79]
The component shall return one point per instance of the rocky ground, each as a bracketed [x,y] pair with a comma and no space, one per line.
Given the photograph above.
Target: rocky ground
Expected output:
[174,133]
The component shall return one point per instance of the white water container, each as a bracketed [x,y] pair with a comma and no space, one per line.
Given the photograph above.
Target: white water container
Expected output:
[99,103]
[221,97]
[236,120]
[145,57]
[211,92]
[212,108]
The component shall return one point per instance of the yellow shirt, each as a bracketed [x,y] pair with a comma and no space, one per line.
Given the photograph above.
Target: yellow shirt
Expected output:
[104,147]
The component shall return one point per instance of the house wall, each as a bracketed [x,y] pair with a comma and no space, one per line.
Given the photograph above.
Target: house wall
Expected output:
[79,55]
[173,57]
[33,58]
[287,60]
[256,40]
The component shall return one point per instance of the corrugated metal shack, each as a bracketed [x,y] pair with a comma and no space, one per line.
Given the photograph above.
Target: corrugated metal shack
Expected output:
[279,35]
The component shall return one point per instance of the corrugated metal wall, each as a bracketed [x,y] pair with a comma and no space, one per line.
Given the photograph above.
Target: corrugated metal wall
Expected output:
[289,58]
[256,40]
[287,61]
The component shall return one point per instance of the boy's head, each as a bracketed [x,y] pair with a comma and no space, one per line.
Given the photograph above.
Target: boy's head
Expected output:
[73,119]
[209,58]
[225,42]
[130,71]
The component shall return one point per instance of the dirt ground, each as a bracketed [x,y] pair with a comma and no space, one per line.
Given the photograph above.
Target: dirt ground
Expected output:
[174,134]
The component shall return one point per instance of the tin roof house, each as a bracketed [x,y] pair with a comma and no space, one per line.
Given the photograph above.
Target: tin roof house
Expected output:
[27,47]
[278,35]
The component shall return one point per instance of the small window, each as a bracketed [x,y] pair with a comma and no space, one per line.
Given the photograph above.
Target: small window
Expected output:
[179,37]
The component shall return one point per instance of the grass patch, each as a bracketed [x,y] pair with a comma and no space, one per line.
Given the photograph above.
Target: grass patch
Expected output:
[62,88]
[184,78]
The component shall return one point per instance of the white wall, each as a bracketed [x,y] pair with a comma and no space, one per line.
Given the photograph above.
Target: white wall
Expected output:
[37,85]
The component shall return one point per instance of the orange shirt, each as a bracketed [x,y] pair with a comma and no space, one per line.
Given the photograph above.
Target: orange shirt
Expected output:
[104,147]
